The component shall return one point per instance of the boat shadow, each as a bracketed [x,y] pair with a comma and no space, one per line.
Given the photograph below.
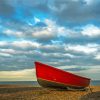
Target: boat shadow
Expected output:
[91,96]
[66,89]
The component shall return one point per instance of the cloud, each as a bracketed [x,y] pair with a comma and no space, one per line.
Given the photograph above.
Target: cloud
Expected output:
[25,44]
[91,31]
[63,11]
[58,55]
[20,44]
[13,33]
[90,2]
[76,69]
[52,32]
[87,49]
[97,56]
[43,34]
[20,75]
[75,11]
[61,54]
[36,20]
[6,9]
[51,48]
[4,54]
[46,33]
[3,43]
[10,51]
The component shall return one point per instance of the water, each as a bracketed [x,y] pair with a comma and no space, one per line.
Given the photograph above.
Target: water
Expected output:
[96,82]
[19,82]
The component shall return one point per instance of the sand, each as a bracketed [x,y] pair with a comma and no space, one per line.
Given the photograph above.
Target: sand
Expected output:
[18,92]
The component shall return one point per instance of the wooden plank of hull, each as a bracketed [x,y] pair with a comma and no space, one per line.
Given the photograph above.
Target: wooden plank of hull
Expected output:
[52,84]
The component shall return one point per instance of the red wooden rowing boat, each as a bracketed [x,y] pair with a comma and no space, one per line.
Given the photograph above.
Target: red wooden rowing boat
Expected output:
[48,76]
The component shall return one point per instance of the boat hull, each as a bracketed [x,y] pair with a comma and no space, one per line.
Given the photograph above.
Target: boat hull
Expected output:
[48,76]
[52,84]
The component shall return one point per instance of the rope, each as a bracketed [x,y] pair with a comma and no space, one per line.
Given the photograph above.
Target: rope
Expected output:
[90,89]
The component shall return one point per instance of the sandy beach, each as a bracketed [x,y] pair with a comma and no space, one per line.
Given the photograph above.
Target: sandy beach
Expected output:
[18,92]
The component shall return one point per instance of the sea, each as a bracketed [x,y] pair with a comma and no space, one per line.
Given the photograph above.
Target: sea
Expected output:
[19,83]
[35,83]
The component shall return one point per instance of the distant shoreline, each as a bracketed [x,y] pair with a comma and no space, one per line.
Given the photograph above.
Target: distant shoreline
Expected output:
[93,83]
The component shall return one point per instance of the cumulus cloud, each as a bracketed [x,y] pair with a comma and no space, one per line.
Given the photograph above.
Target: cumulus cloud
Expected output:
[97,56]
[10,51]
[4,54]
[14,33]
[47,33]
[87,49]
[3,43]
[60,54]
[53,31]
[21,44]
[25,44]
[91,31]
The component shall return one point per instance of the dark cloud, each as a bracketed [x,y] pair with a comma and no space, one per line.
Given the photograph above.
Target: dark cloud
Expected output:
[6,10]
[64,11]
[22,11]
[79,11]
[76,69]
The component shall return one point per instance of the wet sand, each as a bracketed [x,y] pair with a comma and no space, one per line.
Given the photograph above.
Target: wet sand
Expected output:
[19,92]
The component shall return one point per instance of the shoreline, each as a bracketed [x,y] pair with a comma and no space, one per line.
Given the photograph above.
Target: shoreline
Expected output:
[31,92]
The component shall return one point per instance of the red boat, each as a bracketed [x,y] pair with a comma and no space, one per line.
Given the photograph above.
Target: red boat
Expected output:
[48,76]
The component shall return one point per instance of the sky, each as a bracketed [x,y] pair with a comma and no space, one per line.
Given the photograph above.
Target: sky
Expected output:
[61,33]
